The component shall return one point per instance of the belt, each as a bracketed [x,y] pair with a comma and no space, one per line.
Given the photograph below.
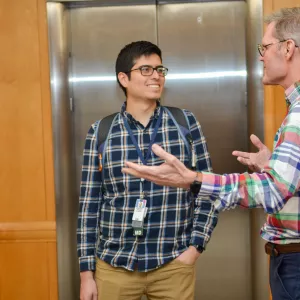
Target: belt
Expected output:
[275,249]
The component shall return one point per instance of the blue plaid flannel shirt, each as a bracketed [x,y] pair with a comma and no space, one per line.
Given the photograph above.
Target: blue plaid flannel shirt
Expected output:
[174,219]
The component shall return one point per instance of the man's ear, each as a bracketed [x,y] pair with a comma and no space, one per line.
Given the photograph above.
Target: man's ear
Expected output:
[290,48]
[123,78]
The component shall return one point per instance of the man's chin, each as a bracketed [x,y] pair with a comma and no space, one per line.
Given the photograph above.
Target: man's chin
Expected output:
[154,97]
[266,81]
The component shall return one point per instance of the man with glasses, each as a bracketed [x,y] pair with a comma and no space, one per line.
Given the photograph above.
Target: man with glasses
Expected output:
[275,184]
[135,237]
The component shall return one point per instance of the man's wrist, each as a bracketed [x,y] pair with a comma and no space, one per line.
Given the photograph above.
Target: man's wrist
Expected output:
[86,275]
[198,248]
[195,186]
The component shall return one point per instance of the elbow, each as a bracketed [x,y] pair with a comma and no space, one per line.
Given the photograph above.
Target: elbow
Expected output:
[273,208]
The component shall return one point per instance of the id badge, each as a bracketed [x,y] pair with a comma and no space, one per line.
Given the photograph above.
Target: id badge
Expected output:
[139,214]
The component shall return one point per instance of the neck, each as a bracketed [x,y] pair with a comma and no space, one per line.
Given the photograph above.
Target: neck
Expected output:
[293,75]
[141,110]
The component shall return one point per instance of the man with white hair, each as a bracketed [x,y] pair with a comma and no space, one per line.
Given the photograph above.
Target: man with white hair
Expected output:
[275,185]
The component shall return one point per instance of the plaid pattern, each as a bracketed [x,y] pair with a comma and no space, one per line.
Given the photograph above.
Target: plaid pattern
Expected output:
[171,223]
[277,189]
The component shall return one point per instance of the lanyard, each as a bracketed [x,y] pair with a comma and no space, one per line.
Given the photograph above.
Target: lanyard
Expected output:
[134,141]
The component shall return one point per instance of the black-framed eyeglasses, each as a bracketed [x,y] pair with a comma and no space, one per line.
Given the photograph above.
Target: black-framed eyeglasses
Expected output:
[262,48]
[147,70]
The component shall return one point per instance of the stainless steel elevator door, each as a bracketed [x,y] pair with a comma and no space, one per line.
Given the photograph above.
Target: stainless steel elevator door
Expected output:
[194,38]
[199,39]
[97,34]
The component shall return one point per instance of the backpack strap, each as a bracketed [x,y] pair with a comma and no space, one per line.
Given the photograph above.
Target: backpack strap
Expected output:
[180,120]
[104,129]
[179,116]
[105,124]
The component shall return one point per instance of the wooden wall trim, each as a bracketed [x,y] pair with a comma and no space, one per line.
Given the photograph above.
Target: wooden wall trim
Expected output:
[28,231]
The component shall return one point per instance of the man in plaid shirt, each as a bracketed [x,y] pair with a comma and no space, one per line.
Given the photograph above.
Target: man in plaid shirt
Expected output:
[118,260]
[276,184]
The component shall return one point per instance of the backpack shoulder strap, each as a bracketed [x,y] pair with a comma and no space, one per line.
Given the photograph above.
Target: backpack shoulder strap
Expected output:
[179,118]
[104,128]
[181,122]
[178,115]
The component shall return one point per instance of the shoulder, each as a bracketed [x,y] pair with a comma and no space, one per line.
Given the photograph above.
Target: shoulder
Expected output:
[293,118]
[191,117]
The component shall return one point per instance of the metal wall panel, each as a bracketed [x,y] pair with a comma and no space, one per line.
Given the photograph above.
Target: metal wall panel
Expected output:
[198,39]
[98,35]
[65,196]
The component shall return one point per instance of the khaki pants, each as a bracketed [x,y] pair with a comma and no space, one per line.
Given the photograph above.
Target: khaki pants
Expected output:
[173,281]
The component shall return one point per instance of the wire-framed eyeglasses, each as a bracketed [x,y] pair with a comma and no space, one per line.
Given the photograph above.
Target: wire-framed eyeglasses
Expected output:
[147,70]
[263,48]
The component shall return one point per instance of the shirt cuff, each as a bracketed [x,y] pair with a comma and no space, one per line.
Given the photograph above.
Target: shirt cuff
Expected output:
[198,240]
[211,186]
[87,263]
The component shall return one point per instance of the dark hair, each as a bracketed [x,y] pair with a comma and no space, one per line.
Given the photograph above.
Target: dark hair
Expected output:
[130,53]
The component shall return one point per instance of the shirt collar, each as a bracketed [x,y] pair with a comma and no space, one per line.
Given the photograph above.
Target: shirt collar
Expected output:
[130,117]
[292,94]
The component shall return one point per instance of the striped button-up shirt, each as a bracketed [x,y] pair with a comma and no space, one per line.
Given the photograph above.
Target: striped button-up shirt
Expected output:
[277,189]
[173,221]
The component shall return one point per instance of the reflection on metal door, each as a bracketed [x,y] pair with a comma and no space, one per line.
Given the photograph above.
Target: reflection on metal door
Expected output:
[203,45]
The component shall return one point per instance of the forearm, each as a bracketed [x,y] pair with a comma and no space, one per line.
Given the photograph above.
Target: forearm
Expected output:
[205,220]
[245,190]
[87,230]
[89,205]
[86,275]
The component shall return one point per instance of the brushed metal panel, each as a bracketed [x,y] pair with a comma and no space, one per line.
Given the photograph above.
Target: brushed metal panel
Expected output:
[98,34]
[66,212]
[208,37]
[204,38]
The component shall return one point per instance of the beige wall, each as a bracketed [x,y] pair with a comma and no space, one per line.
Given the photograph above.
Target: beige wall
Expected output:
[27,211]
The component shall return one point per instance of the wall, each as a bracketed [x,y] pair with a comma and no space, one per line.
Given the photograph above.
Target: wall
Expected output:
[27,209]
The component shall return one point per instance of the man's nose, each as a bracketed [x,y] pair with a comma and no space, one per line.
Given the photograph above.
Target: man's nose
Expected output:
[155,74]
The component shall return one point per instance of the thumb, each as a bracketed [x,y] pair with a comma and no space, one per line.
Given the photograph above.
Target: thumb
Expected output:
[257,142]
[169,158]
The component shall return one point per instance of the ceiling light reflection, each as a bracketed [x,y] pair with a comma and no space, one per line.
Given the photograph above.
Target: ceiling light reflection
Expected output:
[203,75]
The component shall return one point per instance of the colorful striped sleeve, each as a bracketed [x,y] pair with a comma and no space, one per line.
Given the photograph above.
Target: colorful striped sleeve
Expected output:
[269,190]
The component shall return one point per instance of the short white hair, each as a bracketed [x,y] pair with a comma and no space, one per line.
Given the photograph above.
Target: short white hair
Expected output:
[287,24]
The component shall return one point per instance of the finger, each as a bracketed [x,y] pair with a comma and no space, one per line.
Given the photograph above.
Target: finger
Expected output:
[133,166]
[244,161]
[144,175]
[257,142]
[169,158]
[159,151]
[95,296]
[140,169]
[134,170]
[241,154]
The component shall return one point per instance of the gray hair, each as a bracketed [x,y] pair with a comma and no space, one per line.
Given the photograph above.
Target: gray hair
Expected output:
[287,24]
